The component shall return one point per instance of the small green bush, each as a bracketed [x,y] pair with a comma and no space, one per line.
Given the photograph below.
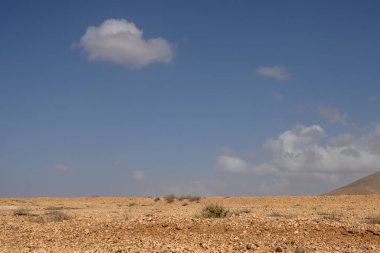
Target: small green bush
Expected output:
[214,211]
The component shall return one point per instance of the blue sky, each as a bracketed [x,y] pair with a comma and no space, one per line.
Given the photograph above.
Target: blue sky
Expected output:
[203,97]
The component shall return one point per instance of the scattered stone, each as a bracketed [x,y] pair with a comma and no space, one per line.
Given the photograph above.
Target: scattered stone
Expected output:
[300,250]
[278,249]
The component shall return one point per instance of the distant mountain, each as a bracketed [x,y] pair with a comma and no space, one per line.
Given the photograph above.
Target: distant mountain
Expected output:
[366,185]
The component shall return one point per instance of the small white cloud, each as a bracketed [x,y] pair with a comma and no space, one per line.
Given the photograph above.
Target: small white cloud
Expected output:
[332,114]
[278,72]
[120,41]
[138,174]
[231,163]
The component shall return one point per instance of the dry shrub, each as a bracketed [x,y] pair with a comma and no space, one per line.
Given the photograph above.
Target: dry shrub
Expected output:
[21,212]
[215,211]
[170,198]
[56,216]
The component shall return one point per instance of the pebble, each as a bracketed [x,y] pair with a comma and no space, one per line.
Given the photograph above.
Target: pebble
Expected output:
[278,249]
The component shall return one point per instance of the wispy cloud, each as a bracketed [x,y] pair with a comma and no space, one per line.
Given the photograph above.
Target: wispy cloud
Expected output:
[138,174]
[278,72]
[332,114]
[120,41]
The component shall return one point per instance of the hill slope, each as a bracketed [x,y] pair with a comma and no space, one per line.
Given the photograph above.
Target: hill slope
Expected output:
[366,185]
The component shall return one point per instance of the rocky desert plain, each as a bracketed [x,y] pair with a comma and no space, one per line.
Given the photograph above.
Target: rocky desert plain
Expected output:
[252,224]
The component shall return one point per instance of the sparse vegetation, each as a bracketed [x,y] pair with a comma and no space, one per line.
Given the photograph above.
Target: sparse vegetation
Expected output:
[50,216]
[21,212]
[132,204]
[240,212]
[331,216]
[373,219]
[35,219]
[170,198]
[189,198]
[215,211]
[56,216]
[53,208]
[157,199]
[276,214]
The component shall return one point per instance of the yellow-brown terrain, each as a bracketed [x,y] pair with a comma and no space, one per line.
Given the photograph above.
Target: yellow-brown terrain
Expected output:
[254,224]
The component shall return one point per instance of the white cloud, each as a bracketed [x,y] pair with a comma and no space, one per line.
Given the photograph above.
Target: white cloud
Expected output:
[302,149]
[332,114]
[138,174]
[277,72]
[305,160]
[120,41]
[342,140]
[231,163]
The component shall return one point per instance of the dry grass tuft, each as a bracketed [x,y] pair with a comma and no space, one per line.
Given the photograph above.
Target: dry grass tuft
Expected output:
[170,198]
[215,211]
[56,216]
[21,212]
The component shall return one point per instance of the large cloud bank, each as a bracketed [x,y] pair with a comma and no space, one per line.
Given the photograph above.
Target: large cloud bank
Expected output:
[305,160]
[308,149]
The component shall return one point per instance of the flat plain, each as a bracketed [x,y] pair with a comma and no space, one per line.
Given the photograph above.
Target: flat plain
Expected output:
[253,224]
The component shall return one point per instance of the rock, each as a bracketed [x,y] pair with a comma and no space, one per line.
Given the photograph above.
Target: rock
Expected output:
[278,249]
[300,250]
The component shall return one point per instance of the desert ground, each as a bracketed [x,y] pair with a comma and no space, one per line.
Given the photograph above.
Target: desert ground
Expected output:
[252,224]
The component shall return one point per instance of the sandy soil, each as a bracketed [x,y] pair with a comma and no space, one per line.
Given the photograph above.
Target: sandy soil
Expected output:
[257,224]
